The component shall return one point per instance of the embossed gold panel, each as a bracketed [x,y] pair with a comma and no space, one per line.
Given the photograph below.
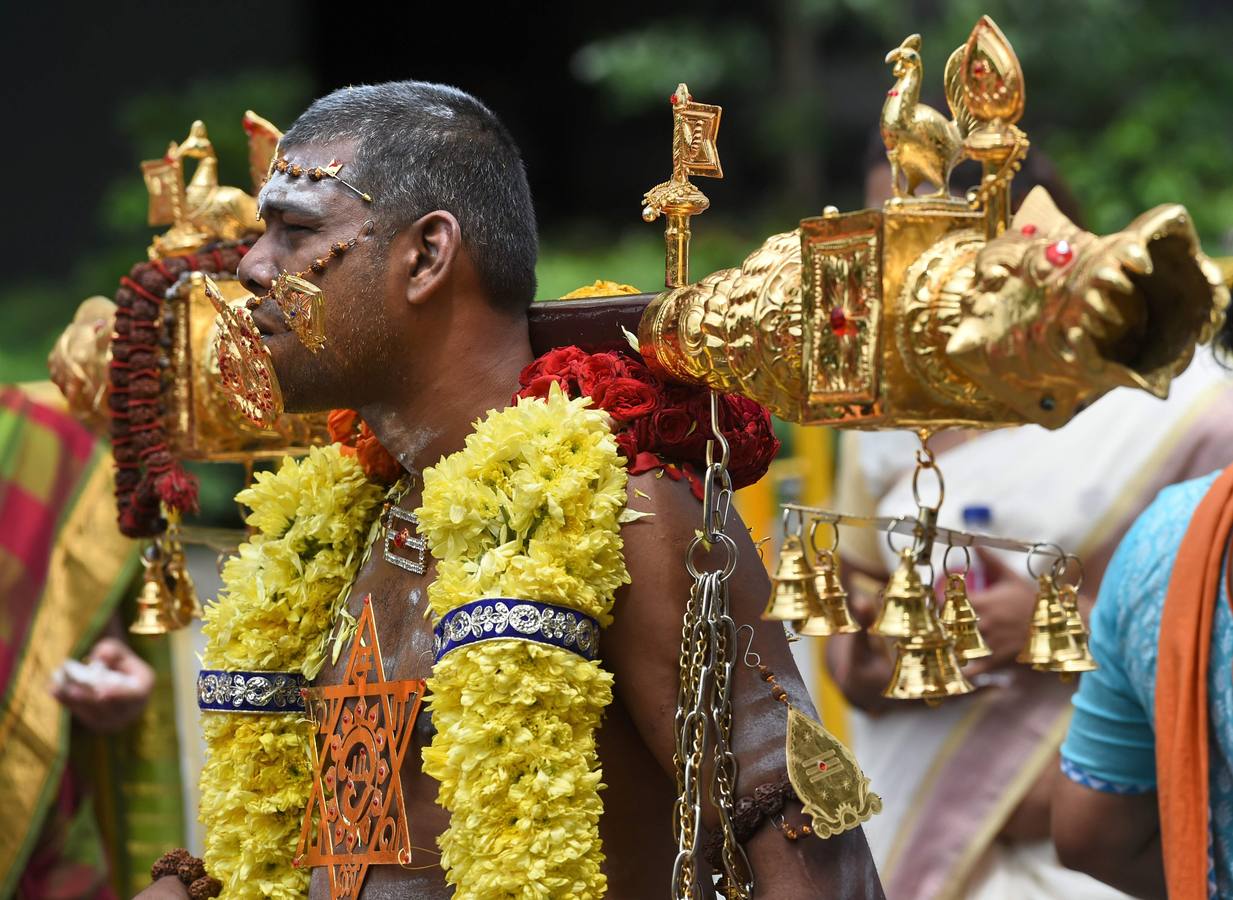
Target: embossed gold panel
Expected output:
[841,258]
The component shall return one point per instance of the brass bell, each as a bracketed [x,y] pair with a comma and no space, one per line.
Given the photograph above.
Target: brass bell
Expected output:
[1070,648]
[155,603]
[186,606]
[926,669]
[794,593]
[836,618]
[961,622]
[906,611]
[1048,620]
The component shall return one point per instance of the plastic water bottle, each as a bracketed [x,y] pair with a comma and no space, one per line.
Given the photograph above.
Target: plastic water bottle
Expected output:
[977,518]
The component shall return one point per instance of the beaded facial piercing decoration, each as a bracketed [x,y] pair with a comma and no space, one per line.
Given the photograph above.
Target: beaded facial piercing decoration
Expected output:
[281,165]
[301,302]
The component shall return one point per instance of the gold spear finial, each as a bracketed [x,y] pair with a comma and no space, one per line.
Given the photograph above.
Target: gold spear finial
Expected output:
[695,127]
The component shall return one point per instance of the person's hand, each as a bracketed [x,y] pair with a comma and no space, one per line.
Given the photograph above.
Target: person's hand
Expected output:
[167,888]
[108,704]
[1005,613]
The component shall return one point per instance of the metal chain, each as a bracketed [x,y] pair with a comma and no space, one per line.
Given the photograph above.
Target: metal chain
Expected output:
[704,699]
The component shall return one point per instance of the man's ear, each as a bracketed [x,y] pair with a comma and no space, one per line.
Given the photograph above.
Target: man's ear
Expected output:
[429,247]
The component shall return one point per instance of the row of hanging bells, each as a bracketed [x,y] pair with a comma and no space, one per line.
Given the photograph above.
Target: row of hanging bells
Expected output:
[928,654]
[931,646]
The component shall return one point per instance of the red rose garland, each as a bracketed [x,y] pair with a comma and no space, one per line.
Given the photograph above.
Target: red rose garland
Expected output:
[659,425]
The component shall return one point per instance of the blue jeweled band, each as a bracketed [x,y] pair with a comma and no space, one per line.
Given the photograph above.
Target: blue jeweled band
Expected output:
[500,618]
[221,690]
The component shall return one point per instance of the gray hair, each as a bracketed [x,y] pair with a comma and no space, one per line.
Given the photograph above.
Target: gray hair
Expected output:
[422,147]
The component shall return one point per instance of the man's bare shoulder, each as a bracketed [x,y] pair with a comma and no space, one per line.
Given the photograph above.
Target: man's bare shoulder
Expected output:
[656,546]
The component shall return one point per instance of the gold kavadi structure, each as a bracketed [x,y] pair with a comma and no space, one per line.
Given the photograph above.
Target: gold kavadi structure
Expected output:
[939,311]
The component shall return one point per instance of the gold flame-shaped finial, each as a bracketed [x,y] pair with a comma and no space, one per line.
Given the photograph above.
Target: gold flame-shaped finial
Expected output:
[993,85]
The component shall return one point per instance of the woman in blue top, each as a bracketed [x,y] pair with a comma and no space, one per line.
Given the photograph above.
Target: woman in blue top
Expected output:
[1135,749]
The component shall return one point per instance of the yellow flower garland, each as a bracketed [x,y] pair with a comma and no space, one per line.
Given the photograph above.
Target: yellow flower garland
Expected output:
[530,509]
[279,598]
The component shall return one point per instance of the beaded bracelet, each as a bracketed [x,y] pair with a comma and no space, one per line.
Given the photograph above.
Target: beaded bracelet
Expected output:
[191,872]
[748,813]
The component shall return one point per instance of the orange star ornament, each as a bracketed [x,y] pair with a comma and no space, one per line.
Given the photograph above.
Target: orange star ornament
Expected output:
[356,816]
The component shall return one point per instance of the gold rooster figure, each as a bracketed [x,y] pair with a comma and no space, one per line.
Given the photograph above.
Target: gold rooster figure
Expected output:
[922,145]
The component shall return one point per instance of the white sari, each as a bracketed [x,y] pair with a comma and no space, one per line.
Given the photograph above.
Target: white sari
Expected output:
[950,777]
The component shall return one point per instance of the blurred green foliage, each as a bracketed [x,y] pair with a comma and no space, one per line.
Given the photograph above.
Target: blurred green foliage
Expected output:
[36,312]
[1128,97]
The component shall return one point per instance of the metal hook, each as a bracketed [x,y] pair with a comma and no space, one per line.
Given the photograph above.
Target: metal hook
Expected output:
[967,559]
[890,533]
[749,653]
[718,437]
[1062,565]
[1038,548]
[813,536]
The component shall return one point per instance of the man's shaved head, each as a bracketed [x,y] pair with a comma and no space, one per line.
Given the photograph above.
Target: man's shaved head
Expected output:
[422,147]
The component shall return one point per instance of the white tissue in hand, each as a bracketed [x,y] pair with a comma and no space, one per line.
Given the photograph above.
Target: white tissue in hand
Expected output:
[94,675]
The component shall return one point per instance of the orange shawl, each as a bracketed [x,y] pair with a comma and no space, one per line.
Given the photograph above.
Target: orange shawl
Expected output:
[1181,692]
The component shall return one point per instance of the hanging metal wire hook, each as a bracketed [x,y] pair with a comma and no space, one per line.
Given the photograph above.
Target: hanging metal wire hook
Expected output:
[719,436]
[749,653]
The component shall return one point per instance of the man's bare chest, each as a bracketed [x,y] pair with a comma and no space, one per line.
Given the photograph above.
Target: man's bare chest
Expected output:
[394,579]
[395,598]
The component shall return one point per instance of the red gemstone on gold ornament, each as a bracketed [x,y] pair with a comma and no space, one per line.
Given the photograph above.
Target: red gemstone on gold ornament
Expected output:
[1059,253]
[1027,230]
[841,325]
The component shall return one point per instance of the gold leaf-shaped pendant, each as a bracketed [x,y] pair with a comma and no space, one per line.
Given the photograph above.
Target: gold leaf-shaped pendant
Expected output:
[827,778]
